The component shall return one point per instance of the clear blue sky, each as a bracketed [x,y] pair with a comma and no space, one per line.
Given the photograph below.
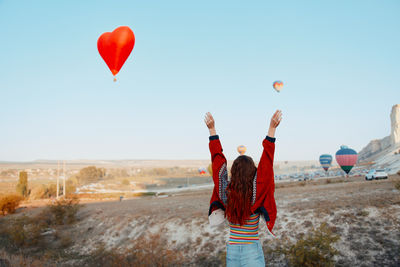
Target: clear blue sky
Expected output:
[339,61]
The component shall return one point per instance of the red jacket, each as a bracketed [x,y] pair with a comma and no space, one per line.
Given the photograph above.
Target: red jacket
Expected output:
[263,200]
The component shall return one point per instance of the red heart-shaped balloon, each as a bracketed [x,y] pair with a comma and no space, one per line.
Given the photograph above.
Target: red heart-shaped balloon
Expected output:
[115,47]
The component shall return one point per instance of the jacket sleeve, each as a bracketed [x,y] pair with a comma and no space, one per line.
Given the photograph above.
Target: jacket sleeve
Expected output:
[265,183]
[265,169]
[219,169]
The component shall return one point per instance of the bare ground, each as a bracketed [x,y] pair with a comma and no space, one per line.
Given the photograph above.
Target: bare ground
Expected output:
[365,214]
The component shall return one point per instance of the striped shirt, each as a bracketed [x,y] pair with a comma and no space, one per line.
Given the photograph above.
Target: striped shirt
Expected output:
[245,234]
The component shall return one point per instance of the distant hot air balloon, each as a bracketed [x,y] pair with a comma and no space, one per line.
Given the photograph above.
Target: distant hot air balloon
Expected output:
[278,85]
[346,158]
[241,150]
[325,161]
[115,47]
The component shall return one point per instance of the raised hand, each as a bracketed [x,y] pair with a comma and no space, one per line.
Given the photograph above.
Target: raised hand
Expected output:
[209,120]
[275,121]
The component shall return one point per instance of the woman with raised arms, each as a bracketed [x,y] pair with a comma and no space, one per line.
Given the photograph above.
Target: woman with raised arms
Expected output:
[246,196]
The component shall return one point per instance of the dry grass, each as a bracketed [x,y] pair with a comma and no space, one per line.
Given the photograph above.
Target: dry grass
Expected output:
[9,203]
[8,187]
[21,232]
[40,233]
[18,260]
[147,251]
[113,196]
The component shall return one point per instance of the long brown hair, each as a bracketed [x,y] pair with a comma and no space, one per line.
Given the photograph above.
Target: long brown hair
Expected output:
[240,190]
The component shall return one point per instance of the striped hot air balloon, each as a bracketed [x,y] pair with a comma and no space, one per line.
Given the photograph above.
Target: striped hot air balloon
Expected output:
[241,150]
[346,158]
[325,160]
[278,85]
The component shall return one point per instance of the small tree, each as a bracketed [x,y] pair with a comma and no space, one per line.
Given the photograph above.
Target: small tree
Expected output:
[90,174]
[22,186]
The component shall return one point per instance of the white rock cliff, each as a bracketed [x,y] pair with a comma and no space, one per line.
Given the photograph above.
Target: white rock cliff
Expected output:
[395,130]
[391,141]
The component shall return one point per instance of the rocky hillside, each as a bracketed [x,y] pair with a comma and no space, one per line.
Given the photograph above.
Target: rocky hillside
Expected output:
[385,151]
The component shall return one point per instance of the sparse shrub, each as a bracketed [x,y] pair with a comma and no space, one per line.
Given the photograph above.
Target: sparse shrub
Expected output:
[4,263]
[43,191]
[9,203]
[334,181]
[70,187]
[117,173]
[18,259]
[141,194]
[33,232]
[22,186]
[397,185]
[151,251]
[125,182]
[65,241]
[103,257]
[16,232]
[62,211]
[314,249]
[22,231]
[363,213]
[398,173]
[38,192]
[49,191]
[307,224]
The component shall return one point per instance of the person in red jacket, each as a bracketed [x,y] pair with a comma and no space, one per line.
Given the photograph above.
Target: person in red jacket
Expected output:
[243,198]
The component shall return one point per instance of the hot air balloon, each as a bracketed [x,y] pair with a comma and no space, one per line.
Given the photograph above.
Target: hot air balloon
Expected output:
[115,47]
[278,85]
[202,170]
[346,158]
[325,161]
[241,150]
